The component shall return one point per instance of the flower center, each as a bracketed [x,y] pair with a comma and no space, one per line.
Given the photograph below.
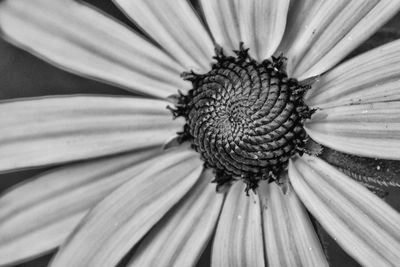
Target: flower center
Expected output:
[245,118]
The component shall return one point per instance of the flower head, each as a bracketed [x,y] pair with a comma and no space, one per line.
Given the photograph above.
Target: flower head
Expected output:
[255,115]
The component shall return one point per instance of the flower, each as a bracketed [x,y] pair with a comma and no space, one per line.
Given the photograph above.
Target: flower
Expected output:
[161,201]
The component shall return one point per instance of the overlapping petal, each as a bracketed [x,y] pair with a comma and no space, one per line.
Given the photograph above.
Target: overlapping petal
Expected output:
[180,238]
[239,237]
[321,33]
[290,238]
[259,24]
[42,131]
[121,219]
[364,225]
[176,27]
[251,231]
[370,77]
[262,24]
[89,43]
[370,130]
[43,211]
[223,20]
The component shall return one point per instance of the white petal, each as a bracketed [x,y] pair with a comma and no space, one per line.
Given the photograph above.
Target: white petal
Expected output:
[321,33]
[180,238]
[259,24]
[176,27]
[370,130]
[262,24]
[50,130]
[239,238]
[89,43]
[364,226]
[44,211]
[370,77]
[290,239]
[118,222]
[223,20]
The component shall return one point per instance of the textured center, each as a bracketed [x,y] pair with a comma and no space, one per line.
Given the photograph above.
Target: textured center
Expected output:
[245,118]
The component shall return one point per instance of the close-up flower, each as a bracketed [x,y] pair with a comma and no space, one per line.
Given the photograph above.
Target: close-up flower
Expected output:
[245,127]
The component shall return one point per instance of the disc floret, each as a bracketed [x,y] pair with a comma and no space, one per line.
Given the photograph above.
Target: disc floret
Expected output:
[245,118]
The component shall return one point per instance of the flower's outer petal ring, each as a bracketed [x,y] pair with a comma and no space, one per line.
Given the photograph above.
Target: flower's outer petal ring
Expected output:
[368,130]
[176,27]
[364,226]
[50,130]
[290,238]
[121,219]
[321,33]
[180,238]
[239,239]
[43,211]
[370,77]
[87,42]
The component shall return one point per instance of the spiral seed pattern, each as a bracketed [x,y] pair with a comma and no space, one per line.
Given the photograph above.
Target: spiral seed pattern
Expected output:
[245,118]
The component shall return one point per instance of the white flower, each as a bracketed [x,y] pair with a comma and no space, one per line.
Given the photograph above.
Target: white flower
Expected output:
[162,201]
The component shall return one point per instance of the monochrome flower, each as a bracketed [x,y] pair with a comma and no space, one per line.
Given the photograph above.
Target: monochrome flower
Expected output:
[249,84]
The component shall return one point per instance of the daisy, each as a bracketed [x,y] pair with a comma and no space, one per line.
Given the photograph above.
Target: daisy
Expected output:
[245,117]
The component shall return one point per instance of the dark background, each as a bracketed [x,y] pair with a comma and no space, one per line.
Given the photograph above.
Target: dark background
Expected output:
[23,75]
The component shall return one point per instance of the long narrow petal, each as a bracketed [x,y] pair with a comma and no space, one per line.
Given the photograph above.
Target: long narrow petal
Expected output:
[87,42]
[365,226]
[370,130]
[321,33]
[180,238]
[262,24]
[176,27]
[290,239]
[223,20]
[50,130]
[370,77]
[44,211]
[118,222]
[239,238]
